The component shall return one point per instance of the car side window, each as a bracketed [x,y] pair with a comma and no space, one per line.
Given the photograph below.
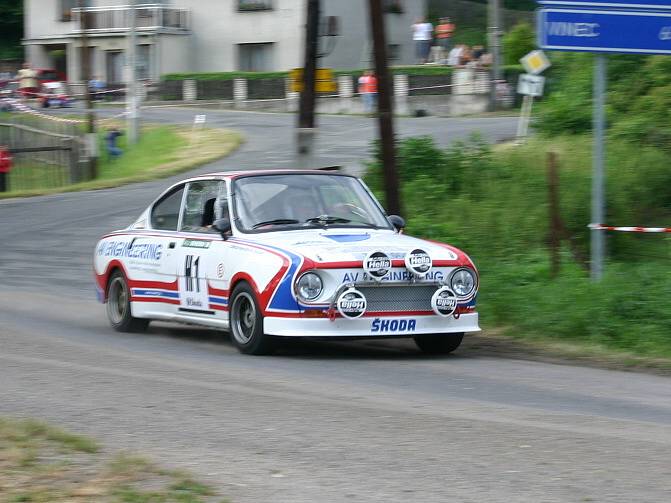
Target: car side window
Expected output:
[204,204]
[165,213]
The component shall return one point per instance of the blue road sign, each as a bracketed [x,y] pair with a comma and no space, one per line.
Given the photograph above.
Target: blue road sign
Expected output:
[633,32]
[609,4]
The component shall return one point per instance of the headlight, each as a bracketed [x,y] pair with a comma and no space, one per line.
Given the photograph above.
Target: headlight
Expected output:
[309,286]
[462,282]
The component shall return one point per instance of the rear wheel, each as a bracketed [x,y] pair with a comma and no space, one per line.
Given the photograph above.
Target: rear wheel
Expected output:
[118,306]
[438,344]
[246,322]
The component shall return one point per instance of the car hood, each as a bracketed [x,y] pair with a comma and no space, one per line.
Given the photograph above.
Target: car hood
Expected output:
[353,245]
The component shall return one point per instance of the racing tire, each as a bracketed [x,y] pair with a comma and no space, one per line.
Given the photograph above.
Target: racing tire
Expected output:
[246,322]
[438,344]
[118,306]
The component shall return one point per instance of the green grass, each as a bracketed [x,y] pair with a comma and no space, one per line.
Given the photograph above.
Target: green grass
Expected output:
[157,145]
[40,463]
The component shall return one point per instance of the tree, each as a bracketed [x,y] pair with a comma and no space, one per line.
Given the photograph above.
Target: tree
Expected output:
[11,28]
[519,41]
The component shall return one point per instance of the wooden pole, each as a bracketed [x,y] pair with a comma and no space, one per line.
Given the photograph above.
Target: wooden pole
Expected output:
[556,226]
[385,111]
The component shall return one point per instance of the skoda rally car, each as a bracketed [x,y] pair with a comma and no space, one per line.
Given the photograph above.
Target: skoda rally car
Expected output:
[272,254]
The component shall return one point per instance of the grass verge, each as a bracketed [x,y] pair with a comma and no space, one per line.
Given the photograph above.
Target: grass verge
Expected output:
[43,464]
[162,151]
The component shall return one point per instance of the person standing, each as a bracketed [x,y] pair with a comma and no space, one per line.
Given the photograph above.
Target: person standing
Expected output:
[444,32]
[27,81]
[368,91]
[422,34]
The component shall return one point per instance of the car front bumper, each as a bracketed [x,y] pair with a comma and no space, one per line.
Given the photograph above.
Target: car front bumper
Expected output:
[387,326]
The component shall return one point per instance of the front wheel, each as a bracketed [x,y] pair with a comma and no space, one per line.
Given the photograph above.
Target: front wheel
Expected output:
[246,322]
[118,306]
[438,344]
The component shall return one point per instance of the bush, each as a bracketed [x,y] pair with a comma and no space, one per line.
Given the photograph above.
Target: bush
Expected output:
[518,42]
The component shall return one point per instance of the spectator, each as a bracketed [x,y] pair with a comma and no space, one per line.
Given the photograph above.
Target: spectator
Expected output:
[96,87]
[478,52]
[466,57]
[454,57]
[368,91]
[113,149]
[444,33]
[27,81]
[422,34]
[486,60]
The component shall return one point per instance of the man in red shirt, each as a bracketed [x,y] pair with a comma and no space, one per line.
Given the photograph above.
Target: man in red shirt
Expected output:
[444,33]
[368,91]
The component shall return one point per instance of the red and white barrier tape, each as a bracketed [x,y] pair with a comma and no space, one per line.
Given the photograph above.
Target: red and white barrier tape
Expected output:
[601,227]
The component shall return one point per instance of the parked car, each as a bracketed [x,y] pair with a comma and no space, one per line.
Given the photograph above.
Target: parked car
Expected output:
[55,94]
[46,75]
[273,254]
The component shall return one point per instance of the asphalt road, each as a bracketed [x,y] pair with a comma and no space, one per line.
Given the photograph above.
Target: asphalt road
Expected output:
[327,422]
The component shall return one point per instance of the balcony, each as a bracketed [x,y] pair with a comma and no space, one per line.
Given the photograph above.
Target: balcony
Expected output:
[148,18]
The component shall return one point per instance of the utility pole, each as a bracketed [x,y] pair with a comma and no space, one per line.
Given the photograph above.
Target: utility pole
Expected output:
[494,31]
[306,113]
[86,77]
[131,87]
[385,112]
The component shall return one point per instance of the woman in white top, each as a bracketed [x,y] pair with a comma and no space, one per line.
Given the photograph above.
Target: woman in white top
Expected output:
[422,34]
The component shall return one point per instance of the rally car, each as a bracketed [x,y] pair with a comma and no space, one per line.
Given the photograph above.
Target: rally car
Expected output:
[272,254]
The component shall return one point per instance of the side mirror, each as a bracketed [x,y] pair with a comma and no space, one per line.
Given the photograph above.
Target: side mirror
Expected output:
[397,222]
[223,226]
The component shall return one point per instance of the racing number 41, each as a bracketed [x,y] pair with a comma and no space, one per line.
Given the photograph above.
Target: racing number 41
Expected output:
[191,266]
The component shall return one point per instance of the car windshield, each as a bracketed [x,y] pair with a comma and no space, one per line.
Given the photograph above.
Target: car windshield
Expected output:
[297,201]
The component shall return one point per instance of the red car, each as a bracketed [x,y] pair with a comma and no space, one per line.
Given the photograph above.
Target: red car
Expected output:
[45,75]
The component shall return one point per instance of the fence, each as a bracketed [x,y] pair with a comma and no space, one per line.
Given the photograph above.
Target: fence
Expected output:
[46,154]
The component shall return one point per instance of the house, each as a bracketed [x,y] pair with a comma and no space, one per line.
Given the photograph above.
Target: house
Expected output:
[207,35]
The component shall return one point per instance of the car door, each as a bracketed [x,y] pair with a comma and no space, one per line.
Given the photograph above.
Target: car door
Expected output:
[199,249]
[151,262]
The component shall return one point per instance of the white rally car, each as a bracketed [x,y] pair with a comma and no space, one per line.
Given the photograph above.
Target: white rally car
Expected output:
[271,254]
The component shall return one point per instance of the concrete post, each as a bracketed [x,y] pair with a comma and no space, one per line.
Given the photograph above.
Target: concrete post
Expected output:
[401,93]
[239,92]
[292,98]
[345,94]
[189,90]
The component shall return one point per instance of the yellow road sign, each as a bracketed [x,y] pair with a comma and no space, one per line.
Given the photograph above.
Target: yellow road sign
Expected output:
[324,81]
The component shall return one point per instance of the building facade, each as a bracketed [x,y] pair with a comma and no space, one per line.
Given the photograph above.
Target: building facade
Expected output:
[207,35]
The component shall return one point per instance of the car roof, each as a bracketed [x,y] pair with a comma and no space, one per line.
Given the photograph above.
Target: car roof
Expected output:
[260,172]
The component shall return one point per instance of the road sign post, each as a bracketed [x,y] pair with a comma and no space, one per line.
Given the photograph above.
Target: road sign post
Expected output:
[530,85]
[598,244]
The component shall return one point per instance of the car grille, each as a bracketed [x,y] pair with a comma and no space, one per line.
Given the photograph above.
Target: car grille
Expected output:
[388,299]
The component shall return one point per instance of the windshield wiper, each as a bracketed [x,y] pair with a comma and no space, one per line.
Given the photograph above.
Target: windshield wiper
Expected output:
[327,219]
[277,221]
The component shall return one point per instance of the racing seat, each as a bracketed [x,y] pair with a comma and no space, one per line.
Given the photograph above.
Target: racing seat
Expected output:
[208,213]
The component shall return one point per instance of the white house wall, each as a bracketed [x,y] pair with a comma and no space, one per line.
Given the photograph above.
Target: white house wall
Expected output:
[217,28]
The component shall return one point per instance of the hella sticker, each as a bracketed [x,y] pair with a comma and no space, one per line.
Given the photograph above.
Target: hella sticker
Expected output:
[377,265]
[351,304]
[418,262]
[444,302]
